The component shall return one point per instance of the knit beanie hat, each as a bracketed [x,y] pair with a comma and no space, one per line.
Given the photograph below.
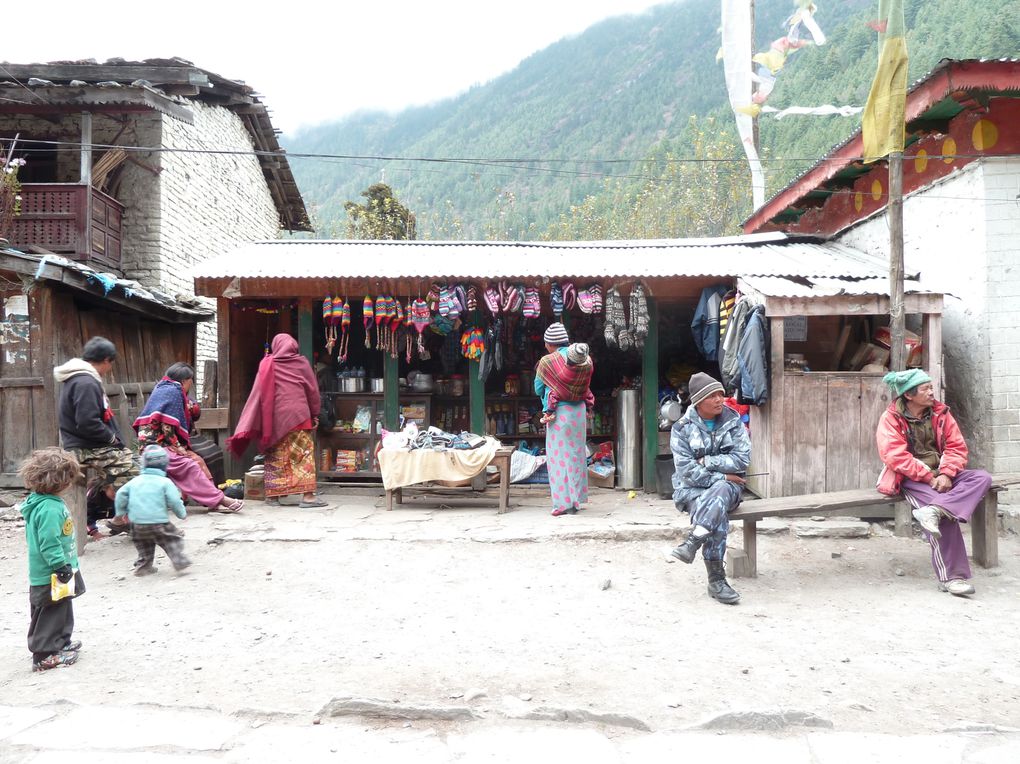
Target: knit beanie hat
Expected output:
[904,381]
[701,386]
[155,457]
[556,334]
[577,354]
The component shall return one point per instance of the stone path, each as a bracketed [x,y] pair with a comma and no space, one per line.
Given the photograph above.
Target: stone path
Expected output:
[153,735]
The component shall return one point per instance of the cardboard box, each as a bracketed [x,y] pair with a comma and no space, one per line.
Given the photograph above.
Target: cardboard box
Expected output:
[254,486]
[601,481]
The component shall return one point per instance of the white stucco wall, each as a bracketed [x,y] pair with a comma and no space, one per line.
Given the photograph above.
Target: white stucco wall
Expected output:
[963,235]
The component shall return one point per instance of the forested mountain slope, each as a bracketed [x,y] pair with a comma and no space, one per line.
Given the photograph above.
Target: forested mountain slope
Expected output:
[532,152]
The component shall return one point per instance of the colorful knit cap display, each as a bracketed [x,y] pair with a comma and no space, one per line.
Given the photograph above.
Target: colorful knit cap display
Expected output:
[472,344]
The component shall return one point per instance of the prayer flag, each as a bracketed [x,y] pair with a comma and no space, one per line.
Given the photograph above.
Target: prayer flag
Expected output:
[883,120]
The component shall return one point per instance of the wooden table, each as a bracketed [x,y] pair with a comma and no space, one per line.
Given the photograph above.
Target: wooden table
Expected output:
[501,460]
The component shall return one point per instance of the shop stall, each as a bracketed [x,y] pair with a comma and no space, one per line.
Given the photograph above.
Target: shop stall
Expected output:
[448,334]
[829,349]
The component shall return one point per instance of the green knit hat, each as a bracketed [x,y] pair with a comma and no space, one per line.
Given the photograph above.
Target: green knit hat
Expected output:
[904,381]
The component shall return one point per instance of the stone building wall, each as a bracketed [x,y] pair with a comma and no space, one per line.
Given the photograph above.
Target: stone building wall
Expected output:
[208,204]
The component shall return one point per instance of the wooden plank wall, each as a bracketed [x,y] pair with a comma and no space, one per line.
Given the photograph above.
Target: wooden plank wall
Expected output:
[829,432]
[59,326]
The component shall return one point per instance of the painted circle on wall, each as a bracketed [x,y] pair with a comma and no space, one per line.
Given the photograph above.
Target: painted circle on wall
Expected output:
[948,150]
[921,161]
[984,135]
[858,201]
[876,190]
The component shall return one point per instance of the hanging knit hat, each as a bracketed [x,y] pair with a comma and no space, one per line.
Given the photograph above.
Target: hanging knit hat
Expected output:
[701,386]
[904,381]
[556,334]
[577,354]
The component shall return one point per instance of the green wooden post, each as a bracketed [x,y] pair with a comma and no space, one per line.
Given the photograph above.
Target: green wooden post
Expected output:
[391,392]
[650,396]
[305,328]
[476,398]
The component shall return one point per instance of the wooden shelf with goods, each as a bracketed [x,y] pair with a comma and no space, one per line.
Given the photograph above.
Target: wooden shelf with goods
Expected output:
[367,410]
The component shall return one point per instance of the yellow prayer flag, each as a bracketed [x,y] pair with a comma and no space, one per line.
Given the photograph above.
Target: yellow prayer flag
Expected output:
[884,114]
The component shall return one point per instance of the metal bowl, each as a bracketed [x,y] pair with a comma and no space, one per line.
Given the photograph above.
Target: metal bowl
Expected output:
[377,384]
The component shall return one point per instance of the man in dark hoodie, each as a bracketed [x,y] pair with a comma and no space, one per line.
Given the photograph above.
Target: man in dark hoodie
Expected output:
[89,430]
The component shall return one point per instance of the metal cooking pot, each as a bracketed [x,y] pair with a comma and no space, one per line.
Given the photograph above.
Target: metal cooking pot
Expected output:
[352,385]
[377,384]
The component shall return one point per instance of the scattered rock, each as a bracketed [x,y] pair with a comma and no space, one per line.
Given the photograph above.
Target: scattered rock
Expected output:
[899,572]
[862,707]
[836,555]
[981,727]
[385,709]
[9,499]
[10,515]
[475,694]
[839,529]
[606,584]
[818,518]
[118,578]
[880,531]
[526,698]
[577,716]
[764,721]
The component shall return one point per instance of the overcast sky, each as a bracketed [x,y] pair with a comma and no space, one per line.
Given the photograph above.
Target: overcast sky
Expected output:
[316,61]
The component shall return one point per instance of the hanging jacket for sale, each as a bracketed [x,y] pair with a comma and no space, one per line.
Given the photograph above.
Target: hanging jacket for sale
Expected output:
[705,325]
[753,359]
[729,362]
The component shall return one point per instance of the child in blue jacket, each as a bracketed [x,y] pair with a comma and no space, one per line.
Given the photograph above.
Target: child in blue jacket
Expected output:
[52,554]
[146,500]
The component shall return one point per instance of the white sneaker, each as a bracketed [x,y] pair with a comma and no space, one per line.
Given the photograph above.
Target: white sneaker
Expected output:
[928,518]
[957,587]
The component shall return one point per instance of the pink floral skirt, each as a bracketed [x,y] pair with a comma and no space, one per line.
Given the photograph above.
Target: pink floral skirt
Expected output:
[567,458]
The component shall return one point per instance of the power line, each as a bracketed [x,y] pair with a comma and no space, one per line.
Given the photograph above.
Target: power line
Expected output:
[496,161]
[736,164]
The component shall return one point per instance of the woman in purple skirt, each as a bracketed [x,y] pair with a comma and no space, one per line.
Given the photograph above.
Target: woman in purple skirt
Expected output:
[925,459]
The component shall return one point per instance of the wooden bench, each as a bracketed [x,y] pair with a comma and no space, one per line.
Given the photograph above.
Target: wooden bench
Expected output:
[984,523]
[501,460]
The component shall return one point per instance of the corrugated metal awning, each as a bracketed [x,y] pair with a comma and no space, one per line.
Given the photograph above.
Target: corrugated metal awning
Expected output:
[775,286]
[758,254]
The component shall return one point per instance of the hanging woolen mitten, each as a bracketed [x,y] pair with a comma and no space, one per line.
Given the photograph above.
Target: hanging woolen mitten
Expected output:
[638,315]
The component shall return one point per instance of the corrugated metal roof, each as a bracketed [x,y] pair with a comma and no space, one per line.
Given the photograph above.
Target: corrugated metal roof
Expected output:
[772,254]
[771,286]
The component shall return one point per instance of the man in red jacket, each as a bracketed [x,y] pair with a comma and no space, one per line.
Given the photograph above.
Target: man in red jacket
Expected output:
[925,459]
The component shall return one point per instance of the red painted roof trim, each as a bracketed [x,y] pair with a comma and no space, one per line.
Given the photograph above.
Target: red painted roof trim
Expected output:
[948,77]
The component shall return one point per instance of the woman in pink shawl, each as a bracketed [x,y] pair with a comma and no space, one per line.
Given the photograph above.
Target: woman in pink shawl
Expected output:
[280,413]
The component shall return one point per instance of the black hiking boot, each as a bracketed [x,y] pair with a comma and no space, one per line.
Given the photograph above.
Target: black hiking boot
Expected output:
[718,588]
[687,550]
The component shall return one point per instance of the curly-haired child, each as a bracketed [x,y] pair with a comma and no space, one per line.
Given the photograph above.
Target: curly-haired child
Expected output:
[52,557]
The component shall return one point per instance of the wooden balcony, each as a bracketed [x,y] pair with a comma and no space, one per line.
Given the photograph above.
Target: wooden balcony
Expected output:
[74,220]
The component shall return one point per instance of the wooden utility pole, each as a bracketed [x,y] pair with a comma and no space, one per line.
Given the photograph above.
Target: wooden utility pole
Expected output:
[897,351]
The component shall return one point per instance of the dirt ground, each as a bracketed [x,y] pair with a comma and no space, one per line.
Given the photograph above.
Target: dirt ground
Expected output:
[404,605]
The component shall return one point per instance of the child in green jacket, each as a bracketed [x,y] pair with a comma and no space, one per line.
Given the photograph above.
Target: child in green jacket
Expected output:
[52,556]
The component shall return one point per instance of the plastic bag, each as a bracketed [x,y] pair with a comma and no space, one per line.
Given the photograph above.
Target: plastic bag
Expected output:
[362,419]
